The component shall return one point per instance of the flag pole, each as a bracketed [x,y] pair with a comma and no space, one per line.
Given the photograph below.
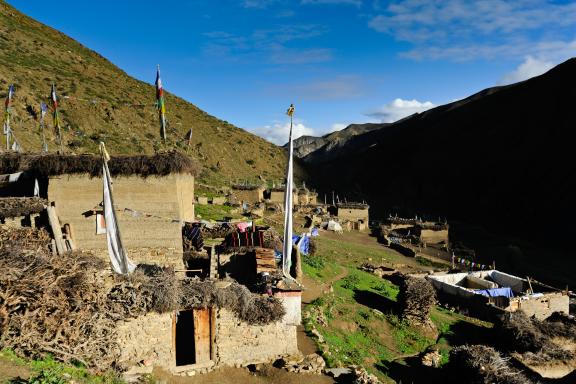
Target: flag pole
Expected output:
[43,109]
[56,118]
[288,202]
[7,116]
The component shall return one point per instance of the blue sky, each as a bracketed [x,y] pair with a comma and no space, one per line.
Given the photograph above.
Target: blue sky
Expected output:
[339,61]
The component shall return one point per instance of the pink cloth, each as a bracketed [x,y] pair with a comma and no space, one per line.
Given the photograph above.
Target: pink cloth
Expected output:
[242,227]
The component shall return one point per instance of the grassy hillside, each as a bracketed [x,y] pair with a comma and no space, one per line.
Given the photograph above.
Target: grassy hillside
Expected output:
[356,317]
[115,107]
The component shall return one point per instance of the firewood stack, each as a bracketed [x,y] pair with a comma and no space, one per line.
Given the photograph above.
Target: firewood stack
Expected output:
[416,299]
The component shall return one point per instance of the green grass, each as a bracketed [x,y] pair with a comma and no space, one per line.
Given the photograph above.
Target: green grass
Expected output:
[353,254]
[50,371]
[425,262]
[215,212]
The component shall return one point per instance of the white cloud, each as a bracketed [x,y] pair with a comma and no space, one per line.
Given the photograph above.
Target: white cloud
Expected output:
[399,109]
[557,51]
[464,29]
[357,3]
[336,88]
[278,132]
[268,45]
[530,67]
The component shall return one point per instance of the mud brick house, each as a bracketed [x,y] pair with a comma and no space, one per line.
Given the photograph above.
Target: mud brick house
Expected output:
[154,196]
[305,197]
[208,335]
[251,194]
[276,195]
[486,290]
[352,212]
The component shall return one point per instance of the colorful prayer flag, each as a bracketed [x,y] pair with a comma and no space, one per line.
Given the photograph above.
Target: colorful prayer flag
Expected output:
[160,105]
[9,96]
[290,111]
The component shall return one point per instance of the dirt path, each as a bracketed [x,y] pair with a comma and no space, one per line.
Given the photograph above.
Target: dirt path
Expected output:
[314,289]
[267,375]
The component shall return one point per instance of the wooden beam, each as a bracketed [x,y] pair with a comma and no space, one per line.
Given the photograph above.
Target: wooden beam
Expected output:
[56,230]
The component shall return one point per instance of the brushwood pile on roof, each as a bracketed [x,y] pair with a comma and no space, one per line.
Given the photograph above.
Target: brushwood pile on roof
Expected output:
[69,306]
[352,205]
[246,187]
[21,206]
[43,165]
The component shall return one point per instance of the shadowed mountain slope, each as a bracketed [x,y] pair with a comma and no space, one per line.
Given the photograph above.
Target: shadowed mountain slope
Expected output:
[502,158]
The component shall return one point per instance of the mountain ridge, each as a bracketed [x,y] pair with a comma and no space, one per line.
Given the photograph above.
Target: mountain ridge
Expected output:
[306,145]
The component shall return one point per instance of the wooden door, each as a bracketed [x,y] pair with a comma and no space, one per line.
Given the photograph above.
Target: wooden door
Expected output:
[202,334]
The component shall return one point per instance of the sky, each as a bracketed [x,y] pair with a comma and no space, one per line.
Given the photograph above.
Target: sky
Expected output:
[339,61]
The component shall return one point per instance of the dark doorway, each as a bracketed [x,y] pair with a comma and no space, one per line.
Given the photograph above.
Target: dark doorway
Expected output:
[185,346]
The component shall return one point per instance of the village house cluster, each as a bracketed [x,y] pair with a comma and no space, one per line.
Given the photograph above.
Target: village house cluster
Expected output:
[154,202]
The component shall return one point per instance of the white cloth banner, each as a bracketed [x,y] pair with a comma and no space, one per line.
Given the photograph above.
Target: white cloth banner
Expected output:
[288,204]
[117,253]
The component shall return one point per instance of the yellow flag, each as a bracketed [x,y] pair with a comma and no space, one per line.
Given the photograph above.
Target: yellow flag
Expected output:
[290,110]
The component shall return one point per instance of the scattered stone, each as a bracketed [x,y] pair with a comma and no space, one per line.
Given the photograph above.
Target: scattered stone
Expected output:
[337,372]
[317,335]
[361,376]
[431,358]
[312,363]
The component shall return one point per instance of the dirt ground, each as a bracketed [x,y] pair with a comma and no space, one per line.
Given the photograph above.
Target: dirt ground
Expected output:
[267,374]
[10,370]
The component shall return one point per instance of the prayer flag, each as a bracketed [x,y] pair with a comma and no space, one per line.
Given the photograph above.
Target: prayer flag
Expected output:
[116,251]
[160,105]
[9,96]
[55,115]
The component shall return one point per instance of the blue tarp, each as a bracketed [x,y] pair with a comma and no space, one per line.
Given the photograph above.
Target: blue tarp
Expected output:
[304,244]
[315,232]
[494,292]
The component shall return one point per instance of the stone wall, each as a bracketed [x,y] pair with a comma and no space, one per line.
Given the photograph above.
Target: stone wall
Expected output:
[150,339]
[248,196]
[166,257]
[430,236]
[146,338]
[161,205]
[238,343]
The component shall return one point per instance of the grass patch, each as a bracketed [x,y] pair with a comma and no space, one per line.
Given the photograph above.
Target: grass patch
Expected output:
[425,262]
[215,212]
[50,371]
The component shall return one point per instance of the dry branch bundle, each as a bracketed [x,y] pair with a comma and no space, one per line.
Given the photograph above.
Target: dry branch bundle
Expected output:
[352,205]
[535,338]
[479,364]
[42,165]
[21,206]
[246,187]
[416,299]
